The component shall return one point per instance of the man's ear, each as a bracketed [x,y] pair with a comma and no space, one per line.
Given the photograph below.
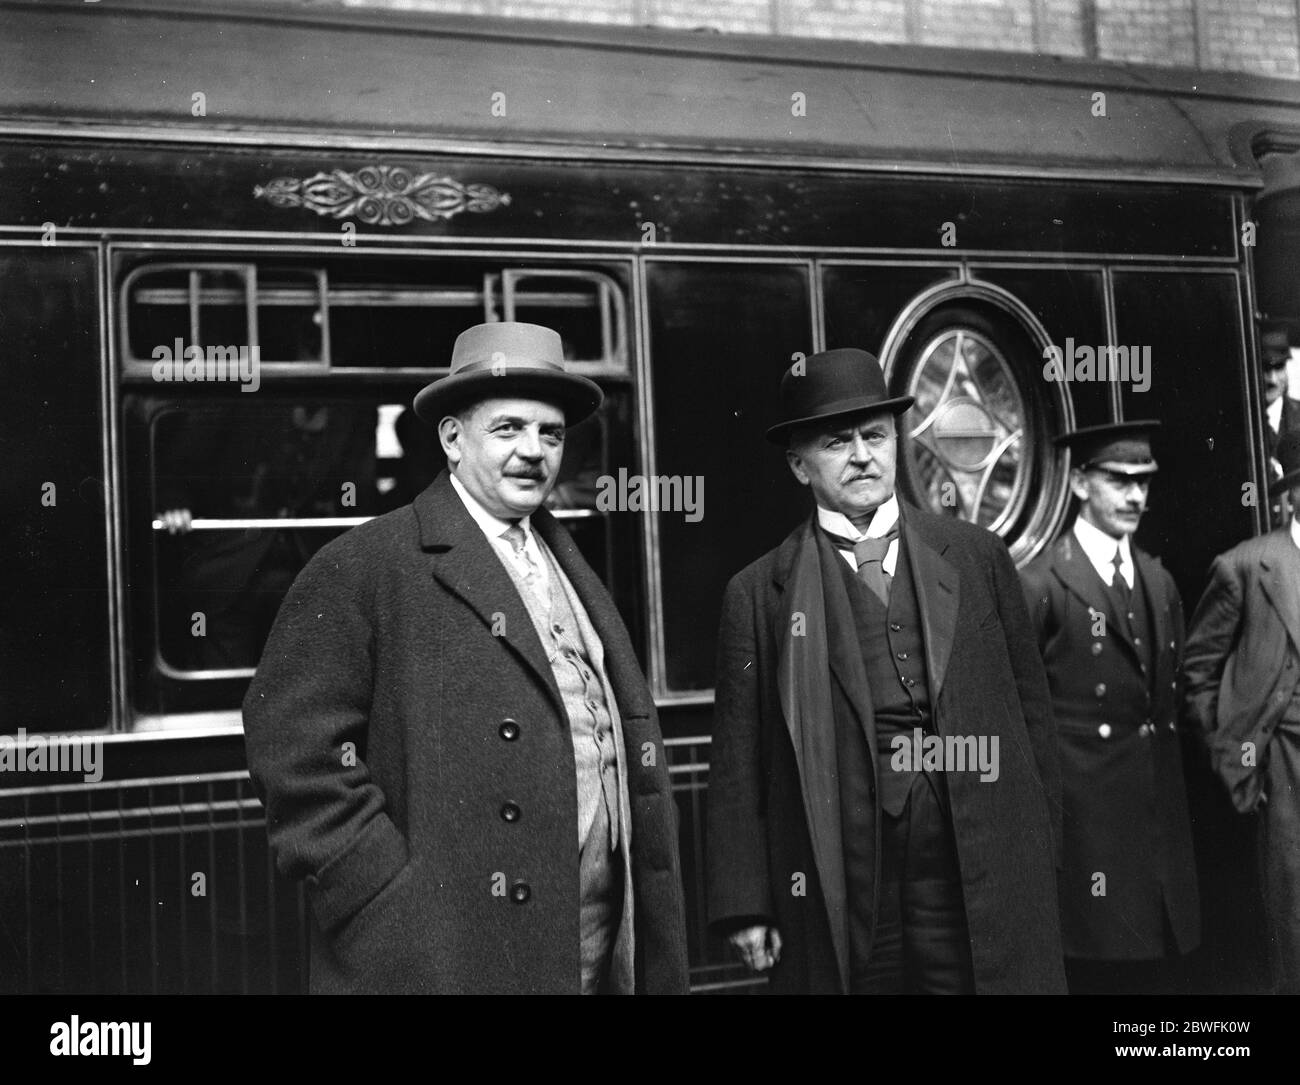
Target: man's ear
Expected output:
[795,461]
[449,434]
[1078,484]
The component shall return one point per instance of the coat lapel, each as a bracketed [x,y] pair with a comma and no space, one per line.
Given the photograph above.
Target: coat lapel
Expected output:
[1273,581]
[938,593]
[1079,575]
[464,563]
[803,642]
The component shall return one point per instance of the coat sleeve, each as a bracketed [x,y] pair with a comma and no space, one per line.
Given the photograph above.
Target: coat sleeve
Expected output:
[738,884]
[1215,628]
[305,726]
[1031,680]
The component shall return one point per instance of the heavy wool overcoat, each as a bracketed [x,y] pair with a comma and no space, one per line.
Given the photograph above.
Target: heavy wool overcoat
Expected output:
[986,680]
[407,737]
[1126,813]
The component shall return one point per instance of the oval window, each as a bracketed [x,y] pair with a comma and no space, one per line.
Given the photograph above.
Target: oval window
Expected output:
[976,444]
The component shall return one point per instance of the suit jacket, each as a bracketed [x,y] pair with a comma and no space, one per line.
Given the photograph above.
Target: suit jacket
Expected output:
[1243,658]
[1126,813]
[403,699]
[776,857]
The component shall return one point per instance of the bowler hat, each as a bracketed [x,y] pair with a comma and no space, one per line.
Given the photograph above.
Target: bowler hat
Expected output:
[830,384]
[1288,455]
[508,359]
[1121,447]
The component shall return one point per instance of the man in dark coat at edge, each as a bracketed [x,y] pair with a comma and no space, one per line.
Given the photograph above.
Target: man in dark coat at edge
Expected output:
[450,731]
[838,859]
[1109,622]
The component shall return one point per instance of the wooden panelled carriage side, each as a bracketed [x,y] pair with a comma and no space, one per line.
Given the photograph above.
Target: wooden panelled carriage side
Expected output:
[346,203]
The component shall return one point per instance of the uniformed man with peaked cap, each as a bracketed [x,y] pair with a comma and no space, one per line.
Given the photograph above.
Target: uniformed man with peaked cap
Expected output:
[1109,623]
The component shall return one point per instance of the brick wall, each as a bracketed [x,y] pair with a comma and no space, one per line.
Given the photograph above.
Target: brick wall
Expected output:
[1257,36]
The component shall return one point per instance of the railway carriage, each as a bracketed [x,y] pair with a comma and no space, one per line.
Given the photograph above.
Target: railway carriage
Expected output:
[234,242]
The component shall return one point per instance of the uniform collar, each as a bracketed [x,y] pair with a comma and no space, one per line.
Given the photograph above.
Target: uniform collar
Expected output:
[1100,549]
[1295,529]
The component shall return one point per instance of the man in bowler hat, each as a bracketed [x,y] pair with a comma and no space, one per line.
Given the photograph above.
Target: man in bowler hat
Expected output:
[1280,410]
[1109,622]
[450,731]
[838,861]
[1242,672]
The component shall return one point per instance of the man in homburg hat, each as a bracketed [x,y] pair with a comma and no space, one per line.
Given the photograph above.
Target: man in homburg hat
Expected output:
[1109,623]
[454,742]
[1243,689]
[883,784]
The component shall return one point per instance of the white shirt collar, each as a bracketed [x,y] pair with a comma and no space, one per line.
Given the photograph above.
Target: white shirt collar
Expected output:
[839,524]
[885,518]
[1274,413]
[1295,530]
[1100,549]
[491,526]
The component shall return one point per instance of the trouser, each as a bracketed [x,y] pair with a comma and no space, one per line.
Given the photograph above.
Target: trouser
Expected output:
[921,944]
[600,902]
[1279,852]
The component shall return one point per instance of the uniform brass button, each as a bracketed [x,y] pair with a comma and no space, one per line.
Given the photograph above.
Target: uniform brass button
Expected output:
[910,682]
[509,730]
[902,655]
[1172,726]
[1096,647]
[1137,641]
[520,892]
[895,626]
[510,811]
[1100,691]
[1173,685]
[1172,645]
[1104,730]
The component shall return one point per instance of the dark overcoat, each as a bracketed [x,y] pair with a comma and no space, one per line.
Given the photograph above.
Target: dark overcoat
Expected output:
[986,680]
[1126,812]
[403,700]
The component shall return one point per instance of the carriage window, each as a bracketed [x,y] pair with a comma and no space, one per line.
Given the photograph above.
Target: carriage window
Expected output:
[230,494]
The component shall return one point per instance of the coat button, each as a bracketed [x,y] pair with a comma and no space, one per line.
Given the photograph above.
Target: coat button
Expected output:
[1104,730]
[1173,726]
[1100,691]
[520,892]
[902,655]
[1137,641]
[509,730]
[510,811]
[895,627]
[1096,647]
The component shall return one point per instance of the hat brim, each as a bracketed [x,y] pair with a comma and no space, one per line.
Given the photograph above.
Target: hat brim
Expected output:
[577,396]
[1286,482]
[777,434]
[1118,467]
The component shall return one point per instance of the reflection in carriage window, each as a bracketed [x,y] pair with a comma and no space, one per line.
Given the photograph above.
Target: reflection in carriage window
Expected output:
[218,470]
[966,432]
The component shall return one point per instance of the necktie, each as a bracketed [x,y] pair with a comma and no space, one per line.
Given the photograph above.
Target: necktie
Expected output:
[515,536]
[869,554]
[1117,582]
